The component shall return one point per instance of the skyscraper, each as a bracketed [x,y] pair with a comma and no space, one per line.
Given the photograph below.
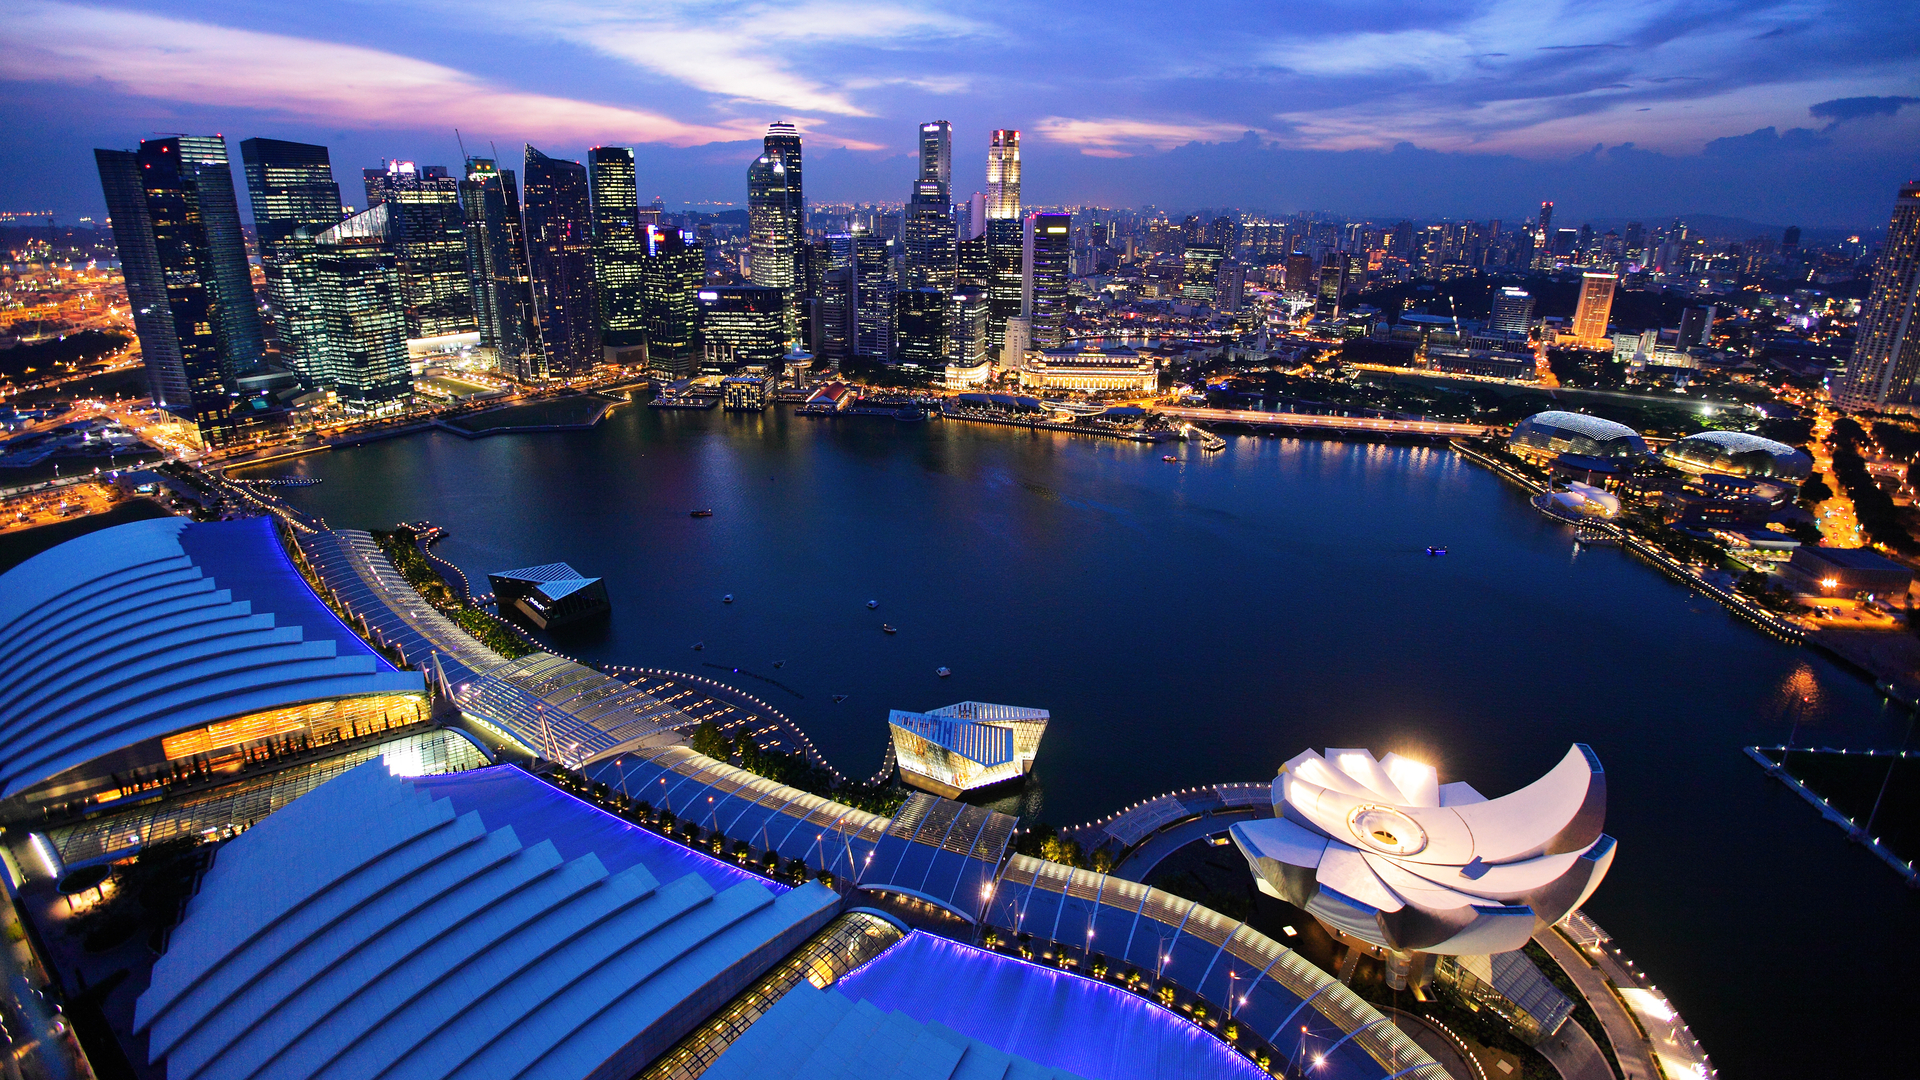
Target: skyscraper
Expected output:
[921,315]
[1886,349]
[362,347]
[1512,311]
[671,273]
[776,217]
[291,187]
[936,153]
[929,237]
[560,259]
[177,227]
[741,326]
[430,245]
[873,288]
[1003,175]
[839,329]
[497,265]
[1333,285]
[1596,304]
[617,248]
[1046,266]
[1200,273]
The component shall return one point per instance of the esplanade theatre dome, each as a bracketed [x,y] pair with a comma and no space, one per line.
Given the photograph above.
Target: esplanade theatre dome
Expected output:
[1550,434]
[1736,453]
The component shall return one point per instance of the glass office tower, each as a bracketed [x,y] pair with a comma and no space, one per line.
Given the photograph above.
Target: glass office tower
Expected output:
[559,227]
[672,270]
[429,241]
[1046,266]
[360,298]
[618,247]
[497,269]
[292,189]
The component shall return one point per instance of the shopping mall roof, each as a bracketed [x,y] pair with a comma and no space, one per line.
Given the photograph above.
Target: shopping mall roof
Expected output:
[141,630]
[374,927]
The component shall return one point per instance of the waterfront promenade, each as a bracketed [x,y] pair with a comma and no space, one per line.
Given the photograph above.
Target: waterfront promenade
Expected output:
[1315,422]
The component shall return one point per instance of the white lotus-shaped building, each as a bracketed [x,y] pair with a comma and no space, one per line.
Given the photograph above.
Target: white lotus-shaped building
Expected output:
[1381,850]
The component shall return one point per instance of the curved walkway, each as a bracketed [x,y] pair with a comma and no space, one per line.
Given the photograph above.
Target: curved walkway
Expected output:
[1139,863]
[1629,1048]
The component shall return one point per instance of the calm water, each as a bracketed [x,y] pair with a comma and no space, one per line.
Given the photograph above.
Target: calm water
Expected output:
[1203,621]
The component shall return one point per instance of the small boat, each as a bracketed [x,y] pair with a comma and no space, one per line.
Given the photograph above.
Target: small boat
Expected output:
[698,645]
[700,513]
[871,604]
[943,672]
[1435,550]
[1169,458]
[779,663]
[888,628]
[727,599]
[838,698]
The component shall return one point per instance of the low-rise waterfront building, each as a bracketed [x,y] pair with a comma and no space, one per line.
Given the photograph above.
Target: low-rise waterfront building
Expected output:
[1545,436]
[965,747]
[1827,571]
[745,393]
[1091,368]
[1736,453]
[550,595]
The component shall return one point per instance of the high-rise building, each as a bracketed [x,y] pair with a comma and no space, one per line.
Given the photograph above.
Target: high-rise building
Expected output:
[776,218]
[291,187]
[976,220]
[671,274]
[921,316]
[559,228]
[363,342]
[837,301]
[497,267]
[1005,248]
[617,251]
[1299,277]
[929,237]
[1886,349]
[936,153]
[1696,326]
[177,226]
[873,288]
[1045,268]
[1333,285]
[1512,311]
[1200,273]
[1003,176]
[1596,305]
[429,240]
[967,328]
[742,326]
[1546,219]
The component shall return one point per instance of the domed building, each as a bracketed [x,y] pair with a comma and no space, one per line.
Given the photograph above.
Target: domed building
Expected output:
[1549,435]
[1736,453]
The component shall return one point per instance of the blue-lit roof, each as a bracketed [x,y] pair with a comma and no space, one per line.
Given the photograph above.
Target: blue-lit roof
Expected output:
[372,929]
[1052,1018]
[983,743]
[824,1035]
[150,628]
[562,588]
[545,572]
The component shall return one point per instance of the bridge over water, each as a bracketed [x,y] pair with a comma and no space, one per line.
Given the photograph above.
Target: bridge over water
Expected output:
[1318,422]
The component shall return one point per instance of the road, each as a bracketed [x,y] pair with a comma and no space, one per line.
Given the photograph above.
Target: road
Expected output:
[1331,423]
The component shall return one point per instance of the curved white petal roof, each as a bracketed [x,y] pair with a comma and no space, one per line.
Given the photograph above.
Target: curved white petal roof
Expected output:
[369,930]
[146,629]
[1379,848]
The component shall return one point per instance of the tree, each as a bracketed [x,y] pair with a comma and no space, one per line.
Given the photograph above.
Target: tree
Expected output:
[708,740]
[1061,849]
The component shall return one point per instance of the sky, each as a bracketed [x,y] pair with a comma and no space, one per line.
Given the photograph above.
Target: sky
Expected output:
[1776,111]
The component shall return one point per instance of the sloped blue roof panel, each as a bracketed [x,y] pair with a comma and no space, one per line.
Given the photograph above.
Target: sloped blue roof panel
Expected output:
[563,587]
[373,928]
[984,743]
[545,572]
[150,628]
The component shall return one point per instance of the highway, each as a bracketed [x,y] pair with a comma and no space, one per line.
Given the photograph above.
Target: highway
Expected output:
[1332,423]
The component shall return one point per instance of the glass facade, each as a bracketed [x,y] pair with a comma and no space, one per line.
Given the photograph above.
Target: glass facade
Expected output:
[291,187]
[618,246]
[429,246]
[497,265]
[362,309]
[559,229]
[671,273]
[1046,266]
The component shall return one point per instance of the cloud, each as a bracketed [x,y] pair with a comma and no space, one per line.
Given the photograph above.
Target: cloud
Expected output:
[1767,142]
[747,54]
[1841,110]
[349,86]
[1123,138]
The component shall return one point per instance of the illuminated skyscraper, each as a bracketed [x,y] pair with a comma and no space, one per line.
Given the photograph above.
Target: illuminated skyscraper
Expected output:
[741,326]
[497,267]
[560,259]
[671,273]
[1046,266]
[929,235]
[1596,304]
[430,244]
[363,341]
[1333,285]
[291,187]
[177,227]
[873,288]
[1512,311]
[936,153]
[1886,350]
[922,318]
[617,247]
[776,218]
[1003,176]
[1200,273]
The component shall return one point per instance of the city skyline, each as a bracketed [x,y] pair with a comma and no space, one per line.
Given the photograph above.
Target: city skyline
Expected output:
[1661,110]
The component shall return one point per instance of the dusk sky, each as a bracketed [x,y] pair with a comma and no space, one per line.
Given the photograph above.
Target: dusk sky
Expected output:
[1802,112]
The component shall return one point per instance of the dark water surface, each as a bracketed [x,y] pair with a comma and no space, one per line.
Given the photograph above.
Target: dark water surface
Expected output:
[1203,621]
